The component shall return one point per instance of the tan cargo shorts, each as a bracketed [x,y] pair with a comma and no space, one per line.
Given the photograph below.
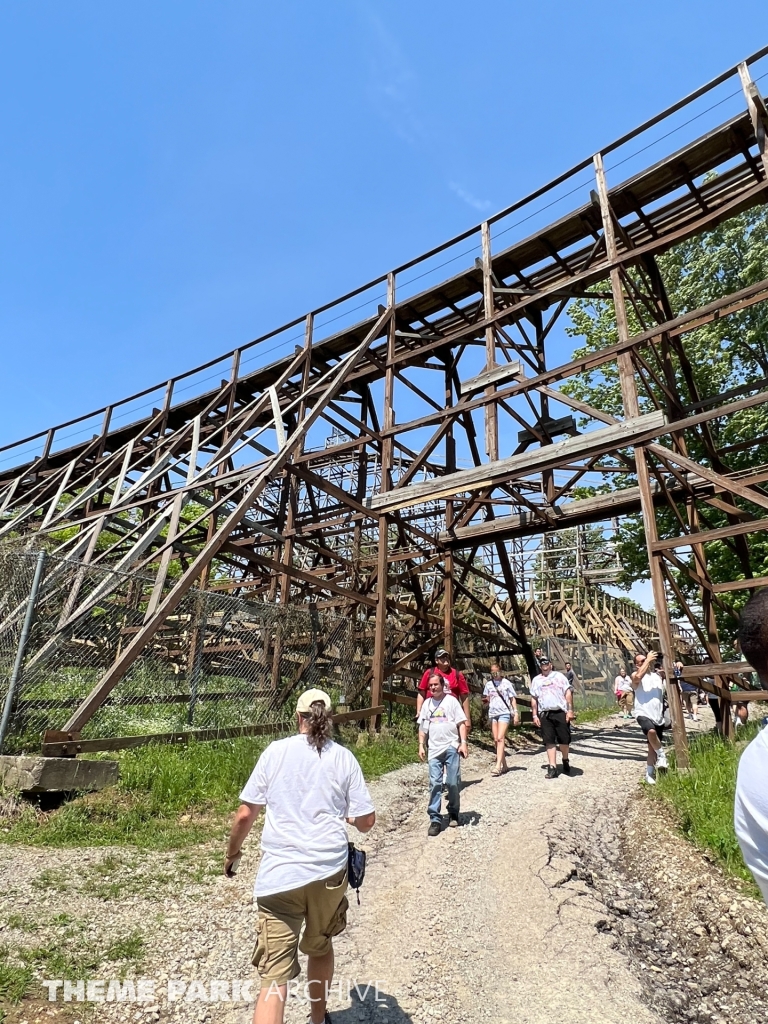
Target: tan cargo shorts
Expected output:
[320,906]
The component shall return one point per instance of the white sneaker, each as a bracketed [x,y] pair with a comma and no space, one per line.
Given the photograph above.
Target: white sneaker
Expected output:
[695,718]
[661,759]
[650,775]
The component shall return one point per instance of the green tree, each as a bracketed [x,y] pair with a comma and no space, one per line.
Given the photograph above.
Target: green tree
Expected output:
[728,353]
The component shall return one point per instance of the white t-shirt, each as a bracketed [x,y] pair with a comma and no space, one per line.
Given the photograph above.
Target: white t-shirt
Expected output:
[622,684]
[440,720]
[499,691]
[750,815]
[307,797]
[550,690]
[649,698]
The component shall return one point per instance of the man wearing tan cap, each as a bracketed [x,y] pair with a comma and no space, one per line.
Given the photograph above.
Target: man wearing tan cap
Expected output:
[309,786]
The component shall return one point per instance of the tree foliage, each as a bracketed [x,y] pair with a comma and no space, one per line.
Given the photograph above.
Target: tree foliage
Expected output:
[728,353]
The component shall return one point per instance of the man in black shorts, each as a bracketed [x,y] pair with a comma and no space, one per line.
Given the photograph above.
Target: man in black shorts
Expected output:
[552,706]
[649,710]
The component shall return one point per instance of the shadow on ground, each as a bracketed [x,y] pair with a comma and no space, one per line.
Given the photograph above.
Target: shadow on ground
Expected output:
[371,1003]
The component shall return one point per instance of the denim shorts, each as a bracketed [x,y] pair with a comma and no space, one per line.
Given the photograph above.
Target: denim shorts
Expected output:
[506,717]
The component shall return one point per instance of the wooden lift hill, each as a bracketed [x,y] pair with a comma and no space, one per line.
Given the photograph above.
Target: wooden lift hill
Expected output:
[443,404]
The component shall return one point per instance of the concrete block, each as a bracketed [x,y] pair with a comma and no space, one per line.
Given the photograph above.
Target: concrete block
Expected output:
[25,774]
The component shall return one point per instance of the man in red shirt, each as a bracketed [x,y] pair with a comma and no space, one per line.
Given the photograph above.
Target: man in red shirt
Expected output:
[454,683]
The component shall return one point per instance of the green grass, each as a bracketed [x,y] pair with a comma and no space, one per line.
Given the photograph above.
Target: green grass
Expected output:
[169,798]
[387,752]
[15,979]
[72,956]
[702,800]
[593,714]
[23,924]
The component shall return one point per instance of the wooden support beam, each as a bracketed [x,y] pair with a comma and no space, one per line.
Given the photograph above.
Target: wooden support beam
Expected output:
[631,409]
[497,375]
[631,431]
[257,483]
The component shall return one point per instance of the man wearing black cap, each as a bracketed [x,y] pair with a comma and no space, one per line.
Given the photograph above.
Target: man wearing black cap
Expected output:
[552,706]
[453,681]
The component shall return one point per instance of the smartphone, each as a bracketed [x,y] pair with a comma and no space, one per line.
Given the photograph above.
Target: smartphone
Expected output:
[232,869]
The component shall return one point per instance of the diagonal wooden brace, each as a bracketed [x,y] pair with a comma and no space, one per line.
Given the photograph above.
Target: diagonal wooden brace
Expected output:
[258,481]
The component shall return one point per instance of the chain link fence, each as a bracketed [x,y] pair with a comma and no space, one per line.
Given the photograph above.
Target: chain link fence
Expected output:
[219,662]
[595,666]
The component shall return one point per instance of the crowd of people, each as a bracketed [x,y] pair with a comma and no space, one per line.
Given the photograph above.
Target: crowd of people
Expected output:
[311,788]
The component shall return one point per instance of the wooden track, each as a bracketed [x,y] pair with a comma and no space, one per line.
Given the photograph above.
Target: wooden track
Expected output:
[295,479]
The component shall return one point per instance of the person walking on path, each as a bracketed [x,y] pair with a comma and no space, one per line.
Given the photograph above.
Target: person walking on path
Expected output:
[751,804]
[309,786]
[552,706]
[689,693]
[502,709]
[443,724]
[625,695]
[453,681]
[648,688]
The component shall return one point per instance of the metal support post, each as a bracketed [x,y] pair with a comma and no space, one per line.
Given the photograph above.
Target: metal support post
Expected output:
[26,627]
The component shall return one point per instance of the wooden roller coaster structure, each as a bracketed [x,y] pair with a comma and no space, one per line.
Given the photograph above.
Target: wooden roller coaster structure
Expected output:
[237,486]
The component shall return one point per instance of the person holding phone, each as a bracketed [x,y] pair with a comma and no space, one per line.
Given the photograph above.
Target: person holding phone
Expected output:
[648,687]
[310,786]
[499,694]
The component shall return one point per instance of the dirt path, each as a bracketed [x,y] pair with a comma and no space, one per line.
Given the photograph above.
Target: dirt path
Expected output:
[482,922]
[495,921]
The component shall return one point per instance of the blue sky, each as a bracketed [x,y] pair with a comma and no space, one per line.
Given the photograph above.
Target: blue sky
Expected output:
[179,177]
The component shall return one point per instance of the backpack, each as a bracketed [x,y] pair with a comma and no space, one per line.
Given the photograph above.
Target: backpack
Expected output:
[355,869]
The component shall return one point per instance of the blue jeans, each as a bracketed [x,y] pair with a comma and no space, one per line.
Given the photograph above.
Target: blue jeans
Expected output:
[449,760]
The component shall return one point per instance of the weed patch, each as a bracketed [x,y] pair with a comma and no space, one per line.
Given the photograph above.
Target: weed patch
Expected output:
[129,948]
[15,978]
[20,923]
[52,878]
[702,800]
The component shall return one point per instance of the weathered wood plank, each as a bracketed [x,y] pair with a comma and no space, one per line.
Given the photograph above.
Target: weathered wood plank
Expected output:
[629,432]
[497,375]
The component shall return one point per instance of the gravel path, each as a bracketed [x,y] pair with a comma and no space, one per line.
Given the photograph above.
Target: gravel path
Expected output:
[502,920]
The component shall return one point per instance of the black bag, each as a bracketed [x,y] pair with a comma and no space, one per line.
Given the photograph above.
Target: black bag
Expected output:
[355,869]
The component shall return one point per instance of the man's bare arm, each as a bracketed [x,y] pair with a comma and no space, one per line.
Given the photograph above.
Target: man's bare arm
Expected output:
[637,676]
[245,816]
[363,822]
[463,738]
[422,737]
